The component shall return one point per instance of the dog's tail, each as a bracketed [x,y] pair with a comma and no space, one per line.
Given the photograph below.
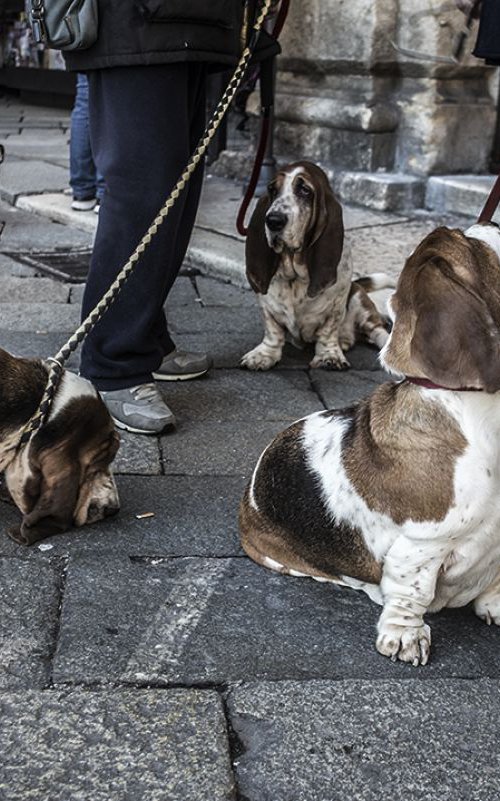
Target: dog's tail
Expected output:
[370,283]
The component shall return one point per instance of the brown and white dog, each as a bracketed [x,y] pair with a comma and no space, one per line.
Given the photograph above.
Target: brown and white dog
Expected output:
[399,494]
[299,263]
[62,476]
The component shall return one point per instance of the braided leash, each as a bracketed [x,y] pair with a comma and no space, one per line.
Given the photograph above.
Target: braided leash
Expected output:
[58,361]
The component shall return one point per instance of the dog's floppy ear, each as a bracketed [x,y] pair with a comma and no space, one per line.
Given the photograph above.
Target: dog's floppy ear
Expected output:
[261,260]
[51,494]
[455,342]
[326,238]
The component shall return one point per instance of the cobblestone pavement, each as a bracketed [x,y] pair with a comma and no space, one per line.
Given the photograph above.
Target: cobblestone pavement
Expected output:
[147,659]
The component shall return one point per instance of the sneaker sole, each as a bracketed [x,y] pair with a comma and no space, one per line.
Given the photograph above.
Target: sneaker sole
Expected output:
[178,377]
[125,427]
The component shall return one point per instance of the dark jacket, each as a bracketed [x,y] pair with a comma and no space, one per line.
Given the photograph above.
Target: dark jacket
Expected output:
[488,37]
[163,31]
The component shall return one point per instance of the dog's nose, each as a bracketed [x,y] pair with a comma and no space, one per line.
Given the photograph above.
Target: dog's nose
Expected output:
[276,221]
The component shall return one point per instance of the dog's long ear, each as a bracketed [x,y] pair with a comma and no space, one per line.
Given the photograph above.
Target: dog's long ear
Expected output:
[455,342]
[51,494]
[261,260]
[326,239]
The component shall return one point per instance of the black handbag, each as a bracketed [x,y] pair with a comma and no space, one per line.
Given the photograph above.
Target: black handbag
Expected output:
[64,24]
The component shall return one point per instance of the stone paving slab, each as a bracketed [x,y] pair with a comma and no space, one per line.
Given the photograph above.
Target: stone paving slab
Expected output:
[137,455]
[57,207]
[192,517]
[217,448]
[24,231]
[367,740]
[32,290]
[183,293]
[40,317]
[12,267]
[223,320]
[111,746]
[29,600]
[29,177]
[218,293]
[30,345]
[198,621]
[231,395]
[386,248]
[343,389]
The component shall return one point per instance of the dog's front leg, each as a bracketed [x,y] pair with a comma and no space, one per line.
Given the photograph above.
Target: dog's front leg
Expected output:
[268,353]
[328,353]
[408,588]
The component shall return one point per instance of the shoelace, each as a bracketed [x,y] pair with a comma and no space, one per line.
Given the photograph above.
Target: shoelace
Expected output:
[145,392]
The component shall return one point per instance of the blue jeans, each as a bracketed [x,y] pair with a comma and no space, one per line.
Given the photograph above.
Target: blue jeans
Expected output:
[83,177]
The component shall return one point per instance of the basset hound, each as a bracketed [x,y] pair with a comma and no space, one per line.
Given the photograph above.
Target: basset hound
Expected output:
[62,476]
[299,263]
[398,495]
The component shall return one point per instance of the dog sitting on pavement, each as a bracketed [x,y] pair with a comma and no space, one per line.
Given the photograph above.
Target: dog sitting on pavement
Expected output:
[398,494]
[62,476]
[299,264]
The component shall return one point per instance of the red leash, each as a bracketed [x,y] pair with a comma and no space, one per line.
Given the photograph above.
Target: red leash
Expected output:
[264,133]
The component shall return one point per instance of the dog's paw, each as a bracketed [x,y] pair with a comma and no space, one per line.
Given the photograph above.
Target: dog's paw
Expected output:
[258,359]
[487,607]
[331,361]
[408,644]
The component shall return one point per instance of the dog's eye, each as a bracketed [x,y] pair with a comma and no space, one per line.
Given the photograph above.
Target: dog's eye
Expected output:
[271,190]
[303,190]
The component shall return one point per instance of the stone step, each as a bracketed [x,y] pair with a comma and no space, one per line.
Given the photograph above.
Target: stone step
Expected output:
[384,191]
[459,194]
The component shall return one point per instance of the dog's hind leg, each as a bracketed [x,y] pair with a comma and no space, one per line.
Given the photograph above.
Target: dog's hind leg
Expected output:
[362,317]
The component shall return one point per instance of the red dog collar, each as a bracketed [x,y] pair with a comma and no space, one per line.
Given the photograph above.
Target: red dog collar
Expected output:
[424,382]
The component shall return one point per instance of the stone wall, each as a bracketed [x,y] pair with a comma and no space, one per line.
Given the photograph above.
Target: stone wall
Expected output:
[347,98]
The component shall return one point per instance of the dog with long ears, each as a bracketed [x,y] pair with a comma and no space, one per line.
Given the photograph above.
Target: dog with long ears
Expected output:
[398,494]
[299,263]
[61,477]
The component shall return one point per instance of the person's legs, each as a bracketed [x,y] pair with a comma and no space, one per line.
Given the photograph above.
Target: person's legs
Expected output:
[81,164]
[143,121]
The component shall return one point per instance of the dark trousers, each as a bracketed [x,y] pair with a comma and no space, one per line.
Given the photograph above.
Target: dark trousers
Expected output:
[144,124]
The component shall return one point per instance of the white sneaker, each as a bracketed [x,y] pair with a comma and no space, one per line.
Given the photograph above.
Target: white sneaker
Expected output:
[85,204]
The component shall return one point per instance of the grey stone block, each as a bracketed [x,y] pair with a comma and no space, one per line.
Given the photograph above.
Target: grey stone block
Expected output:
[217,255]
[29,600]
[198,621]
[459,194]
[367,740]
[30,177]
[226,395]
[41,317]
[32,290]
[192,517]
[110,746]
[384,191]
[26,232]
[213,448]
[139,455]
